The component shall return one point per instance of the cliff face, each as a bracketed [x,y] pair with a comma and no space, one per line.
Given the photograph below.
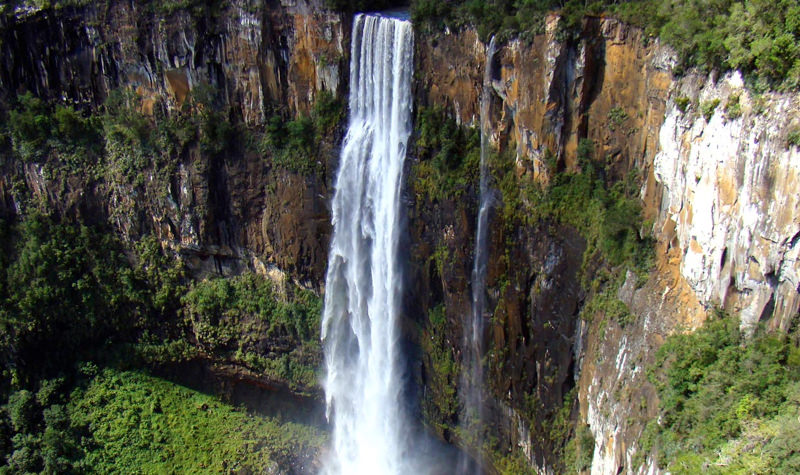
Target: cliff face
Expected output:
[224,212]
[262,56]
[730,201]
[719,190]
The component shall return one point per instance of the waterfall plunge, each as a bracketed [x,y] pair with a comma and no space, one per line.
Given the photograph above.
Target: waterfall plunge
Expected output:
[363,285]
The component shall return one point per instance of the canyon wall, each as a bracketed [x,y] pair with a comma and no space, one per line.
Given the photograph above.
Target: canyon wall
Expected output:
[223,212]
[719,190]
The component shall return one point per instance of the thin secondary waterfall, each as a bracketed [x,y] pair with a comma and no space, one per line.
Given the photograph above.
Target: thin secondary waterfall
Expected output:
[472,367]
[362,298]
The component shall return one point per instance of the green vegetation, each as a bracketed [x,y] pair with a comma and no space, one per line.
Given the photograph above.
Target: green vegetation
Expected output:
[683,103]
[449,156]
[67,288]
[733,108]
[73,288]
[292,145]
[605,211]
[124,144]
[39,131]
[148,424]
[120,142]
[708,108]
[793,138]
[579,450]
[616,118]
[607,216]
[728,403]
[77,306]
[136,143]
[759,37]
[117,421]
[224,314]
[295,144]
[440,401]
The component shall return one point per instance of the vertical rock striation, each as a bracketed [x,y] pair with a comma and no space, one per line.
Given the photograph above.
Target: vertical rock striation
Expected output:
[719,191]
[223,213]
[730,201]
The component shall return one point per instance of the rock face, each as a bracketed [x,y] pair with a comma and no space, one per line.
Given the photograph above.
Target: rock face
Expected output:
[611,86]
[720,187]
[730,201]
[553,93]
[224,212]
[263,56]
[721,193]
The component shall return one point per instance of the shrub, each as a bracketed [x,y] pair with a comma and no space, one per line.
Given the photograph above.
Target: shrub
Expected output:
[39,130]
[224,313]
[449,155]
[682,103]
[440,401]
[129,135]
[713,385]
[293,145]
[327,114]
[793,138]
[69,288]
[708,108]
[137,422]
[733,108]
[616,117]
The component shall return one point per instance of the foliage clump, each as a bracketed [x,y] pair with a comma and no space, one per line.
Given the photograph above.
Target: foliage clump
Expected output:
[793,138]
[39,131]
[708,108]
[608,216]
[727,402]
[136,142]
[683,103]
[139,422]
[68,288]
[449,155]
[224,313]
[123,421]
[295,144]
[440,402]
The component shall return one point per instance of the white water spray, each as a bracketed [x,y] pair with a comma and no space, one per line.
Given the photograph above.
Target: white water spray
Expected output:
[363,284]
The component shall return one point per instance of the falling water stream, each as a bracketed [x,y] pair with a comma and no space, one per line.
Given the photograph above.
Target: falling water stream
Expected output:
[360,332]
[472,366]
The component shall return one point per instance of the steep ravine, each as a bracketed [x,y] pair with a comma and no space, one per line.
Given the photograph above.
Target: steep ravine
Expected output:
[720,193]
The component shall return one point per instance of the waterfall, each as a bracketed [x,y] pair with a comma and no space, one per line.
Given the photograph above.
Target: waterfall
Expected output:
[360,331]
[472,367]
